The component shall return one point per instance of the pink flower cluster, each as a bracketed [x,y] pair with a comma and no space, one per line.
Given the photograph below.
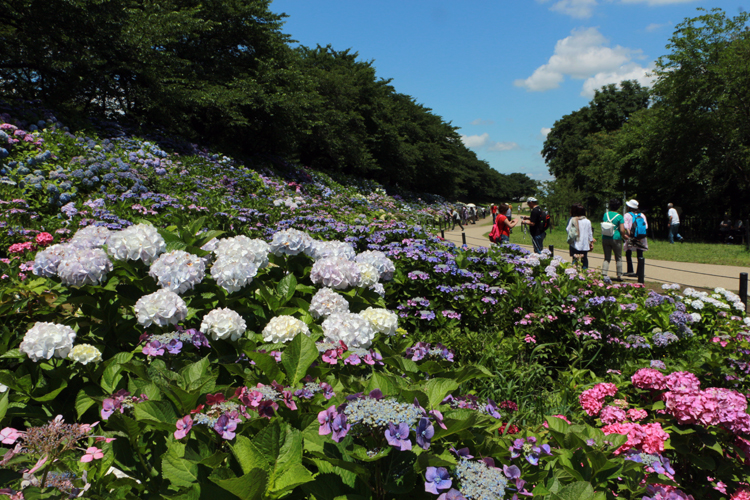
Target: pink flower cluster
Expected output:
[44,239]
[592,399]
[26,246]
[648,438]
[648,378]
[712,406]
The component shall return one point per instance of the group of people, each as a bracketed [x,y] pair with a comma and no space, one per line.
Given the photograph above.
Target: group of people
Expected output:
[463,215]
[619,232]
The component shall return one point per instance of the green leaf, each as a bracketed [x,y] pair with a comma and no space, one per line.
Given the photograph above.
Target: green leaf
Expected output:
[177,470]
[385,383]
[159,414]
[580,490]
[438,388]
[250,486]
[286,287]
[112,376]
[267,365]
[84,401]
[297,358]
[470,372]
[13,354]
[4,397]
[193,372]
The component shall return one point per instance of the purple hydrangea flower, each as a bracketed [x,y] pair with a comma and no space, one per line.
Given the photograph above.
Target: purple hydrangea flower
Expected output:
[425,431]
[398,436]
[437,478]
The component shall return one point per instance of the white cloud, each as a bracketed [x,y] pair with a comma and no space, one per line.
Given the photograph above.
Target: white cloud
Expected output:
[581,55]
[545,131]
[631,71]
[655,27]
[503,146]
[479,121]
[579,9]
[483,141]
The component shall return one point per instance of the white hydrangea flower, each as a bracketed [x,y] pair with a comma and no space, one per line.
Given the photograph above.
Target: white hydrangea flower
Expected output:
[45,340]
[368,275]
[720,290]
[141,241]
[739,306]
[379,289]
[290,242]
[3,388]
[325,249]
[352,329]
[335,272]
[223,324]
[211,245]
[696,317]
[746,320]
[284,329]
[178,270]
[696,304]
[84,266]
[160,308]
[244,247]
[93,236]
[47,261]
[381,320]
[326,302]
[85,354]
[382,263]
[233,272]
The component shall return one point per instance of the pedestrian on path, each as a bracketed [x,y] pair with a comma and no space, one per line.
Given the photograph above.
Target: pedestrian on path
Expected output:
[456,219]
[613,229]
[674,224]
[504,224]
[494,212]
[536,224]
[640,244]
[584,242]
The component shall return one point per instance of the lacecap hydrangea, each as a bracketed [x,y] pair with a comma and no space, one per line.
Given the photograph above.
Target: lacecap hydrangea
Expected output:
[223,323]
[291,242]
[161,308]
[45,340]
[352,329]
[178,271]
[284,329]
[141,241]
[326,302]
[381,320]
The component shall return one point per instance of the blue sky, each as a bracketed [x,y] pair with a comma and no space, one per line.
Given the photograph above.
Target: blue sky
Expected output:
[502,71]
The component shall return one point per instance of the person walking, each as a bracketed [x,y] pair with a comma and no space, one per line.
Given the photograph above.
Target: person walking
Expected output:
[674,224]
[456,219]
[504,224]
[614,223]
[537,224]
[494,212]
[631,243]
[584,242]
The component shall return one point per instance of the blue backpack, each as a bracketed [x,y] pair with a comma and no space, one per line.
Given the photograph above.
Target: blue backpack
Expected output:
[638,229]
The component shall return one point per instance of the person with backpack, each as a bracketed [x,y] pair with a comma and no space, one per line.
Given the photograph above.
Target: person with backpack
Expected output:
[636,226]
[539,221]
[501,229]
[613,231]
[580,234]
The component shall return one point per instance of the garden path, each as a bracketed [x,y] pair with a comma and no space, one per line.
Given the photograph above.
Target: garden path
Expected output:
[683,273]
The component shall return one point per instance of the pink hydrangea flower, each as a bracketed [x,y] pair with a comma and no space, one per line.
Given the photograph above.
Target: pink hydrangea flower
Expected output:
[683,380]
[44,239]
[592,399]
[92,453]
[648,378]
[649,438]
[636,415]
[612,415]
[741,494]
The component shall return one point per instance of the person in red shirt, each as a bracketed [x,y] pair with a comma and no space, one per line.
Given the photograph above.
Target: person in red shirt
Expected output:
[494,212]
[504,223]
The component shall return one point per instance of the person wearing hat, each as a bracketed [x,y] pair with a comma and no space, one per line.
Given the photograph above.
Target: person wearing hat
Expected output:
[537,226]
[640,245]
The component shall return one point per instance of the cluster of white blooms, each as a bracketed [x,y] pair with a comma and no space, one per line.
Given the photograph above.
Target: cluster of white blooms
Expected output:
[379,289]
[232,272]
[92,236]
[709,299]
[45,340]
[160,308]
[352,329]
[381,320]
[85,354]
[211,245]
[532,259]
[335,272]
[223,324]
[673,286]
[696,304]
[141,241]
[284,329]
[325,249]
[326,302]
[47,261]
[289,202]
[291,242]
[244,247]
[746,320]
[83,266]
[696,317]
[382,263]
[178,270]
[368,275]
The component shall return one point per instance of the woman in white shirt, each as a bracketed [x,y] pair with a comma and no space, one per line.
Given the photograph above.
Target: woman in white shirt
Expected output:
[585,241]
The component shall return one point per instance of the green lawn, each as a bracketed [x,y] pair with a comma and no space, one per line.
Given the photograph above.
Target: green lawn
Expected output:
[702,253]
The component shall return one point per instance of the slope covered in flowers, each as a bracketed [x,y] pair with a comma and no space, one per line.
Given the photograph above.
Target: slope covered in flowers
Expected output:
[180,324]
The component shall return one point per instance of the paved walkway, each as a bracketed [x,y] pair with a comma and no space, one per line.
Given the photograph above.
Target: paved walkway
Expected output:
[662,271]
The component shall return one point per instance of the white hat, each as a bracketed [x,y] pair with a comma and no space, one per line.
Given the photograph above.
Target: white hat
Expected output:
[632,204]
[531,200]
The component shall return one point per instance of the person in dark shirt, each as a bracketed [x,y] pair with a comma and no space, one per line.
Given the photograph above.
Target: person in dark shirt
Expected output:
[536,224]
